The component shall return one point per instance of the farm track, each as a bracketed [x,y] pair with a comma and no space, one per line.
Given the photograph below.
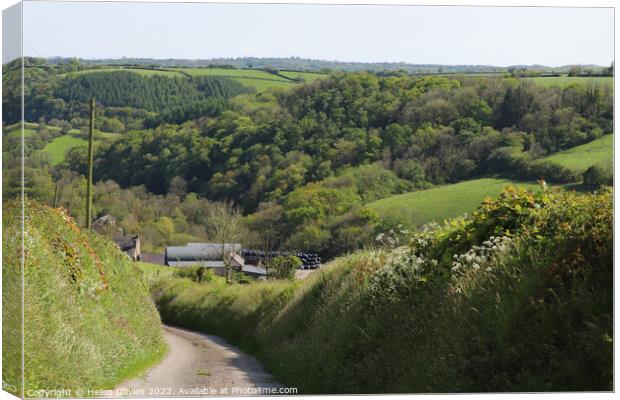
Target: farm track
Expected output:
[197,365]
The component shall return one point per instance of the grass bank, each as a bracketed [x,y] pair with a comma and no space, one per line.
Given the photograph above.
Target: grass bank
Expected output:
[89,319]
[516,297]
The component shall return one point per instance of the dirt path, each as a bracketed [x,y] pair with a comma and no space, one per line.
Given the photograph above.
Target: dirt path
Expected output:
[198,365]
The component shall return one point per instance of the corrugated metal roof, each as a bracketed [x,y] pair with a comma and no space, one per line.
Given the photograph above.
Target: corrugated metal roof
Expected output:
[201,251]
[254,269]
[207,264]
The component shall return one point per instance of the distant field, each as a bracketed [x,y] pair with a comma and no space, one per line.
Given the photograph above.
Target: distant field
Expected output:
[567,80]
[258,79]
[230,73]
[59,146]
[144,72]
[308,76]
[16,133]
[599,151]
[262,85]
[437,204]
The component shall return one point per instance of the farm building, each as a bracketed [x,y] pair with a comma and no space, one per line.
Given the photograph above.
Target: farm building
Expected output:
[130,245]
[153,258]
[210,255]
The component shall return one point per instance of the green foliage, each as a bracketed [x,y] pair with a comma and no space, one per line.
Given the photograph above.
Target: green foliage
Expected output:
[89,321]
[195,274]
[516,297]
[154,93]
[598,175]
[283,267]
[425,129]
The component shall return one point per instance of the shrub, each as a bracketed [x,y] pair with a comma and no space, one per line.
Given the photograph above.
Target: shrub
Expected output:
[283,267]
[551,172]
[196,274]
[598,175]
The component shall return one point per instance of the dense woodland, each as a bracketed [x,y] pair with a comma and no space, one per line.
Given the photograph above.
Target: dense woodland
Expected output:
[301,163]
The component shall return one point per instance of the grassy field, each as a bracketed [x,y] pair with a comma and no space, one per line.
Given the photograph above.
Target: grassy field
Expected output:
[437,204]
[261,85]
[16,133]
[412,320]
[230,73]
[567,80]
[141,71]
[57,148]
[258,79]
[308,76]
[89,320]
[579,158]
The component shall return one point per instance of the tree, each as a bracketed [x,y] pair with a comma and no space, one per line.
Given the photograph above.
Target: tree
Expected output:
[574,71]
[283,267]
[224,225]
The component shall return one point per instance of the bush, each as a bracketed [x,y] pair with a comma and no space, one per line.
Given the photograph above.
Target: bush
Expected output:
[196,274]
[598,175]
[551,172]
[283,267]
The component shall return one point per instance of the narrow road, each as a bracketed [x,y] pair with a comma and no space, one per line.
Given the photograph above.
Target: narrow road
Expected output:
[200,365]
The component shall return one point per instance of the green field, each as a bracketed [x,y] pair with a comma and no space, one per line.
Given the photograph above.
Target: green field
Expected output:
[418,208]
[141,71]
[16,133]
[567,80]
[58,147]
[308,76]
[579,158]
[230,73]
[258,79]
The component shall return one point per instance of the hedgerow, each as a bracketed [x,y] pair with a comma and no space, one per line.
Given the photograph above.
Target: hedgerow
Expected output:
[515,297]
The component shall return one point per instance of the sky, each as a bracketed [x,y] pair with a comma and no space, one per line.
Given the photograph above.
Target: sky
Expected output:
[497,36]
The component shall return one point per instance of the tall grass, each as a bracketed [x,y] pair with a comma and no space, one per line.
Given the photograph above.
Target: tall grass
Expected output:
[516,297]
[89,319]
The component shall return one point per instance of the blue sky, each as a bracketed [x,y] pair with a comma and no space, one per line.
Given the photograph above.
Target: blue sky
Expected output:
[414,34]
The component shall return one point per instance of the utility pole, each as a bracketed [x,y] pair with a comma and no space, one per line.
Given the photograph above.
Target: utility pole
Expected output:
[89,183]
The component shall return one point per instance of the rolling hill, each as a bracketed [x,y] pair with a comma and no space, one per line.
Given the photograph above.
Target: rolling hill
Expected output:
[439,203]
[579,158]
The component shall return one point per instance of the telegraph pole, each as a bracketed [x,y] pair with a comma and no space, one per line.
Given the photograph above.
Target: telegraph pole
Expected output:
[89,183]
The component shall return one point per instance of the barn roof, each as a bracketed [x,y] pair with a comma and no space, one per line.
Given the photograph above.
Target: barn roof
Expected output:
[254,269]
[125,242]
[200,251]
